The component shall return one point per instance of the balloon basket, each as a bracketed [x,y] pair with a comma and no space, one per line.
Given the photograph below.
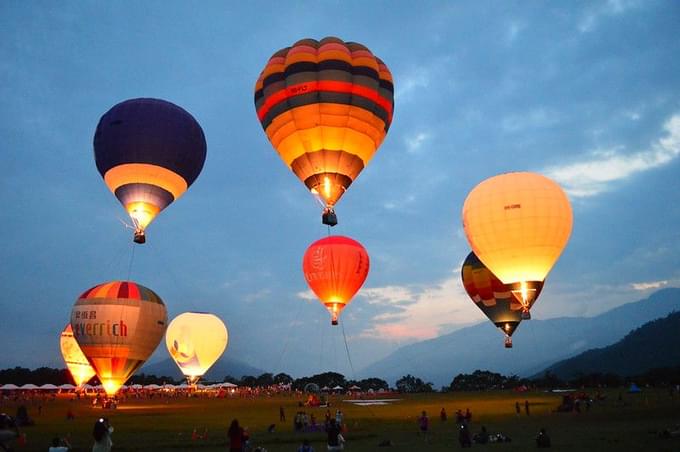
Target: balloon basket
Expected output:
[508,342]
[328,217]
[334,322]
[526,315]
[140,237]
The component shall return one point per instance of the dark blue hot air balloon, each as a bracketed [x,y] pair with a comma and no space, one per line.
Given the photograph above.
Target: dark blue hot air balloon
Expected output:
[149,151]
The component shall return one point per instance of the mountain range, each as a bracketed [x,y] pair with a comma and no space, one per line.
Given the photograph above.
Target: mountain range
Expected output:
[653,345]
[537,343]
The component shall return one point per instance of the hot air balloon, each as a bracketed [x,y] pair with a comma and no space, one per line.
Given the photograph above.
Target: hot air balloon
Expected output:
[518,224]
[326,107]
[118,325]
[335,268]
[494,298]
[195,340]
[75,360]
[149,151]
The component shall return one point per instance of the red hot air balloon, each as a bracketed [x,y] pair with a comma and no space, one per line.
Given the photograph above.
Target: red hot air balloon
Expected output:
[335,268]
[496,300]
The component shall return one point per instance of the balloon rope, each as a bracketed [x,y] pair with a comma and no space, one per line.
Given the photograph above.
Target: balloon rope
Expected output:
[132,258]
[351,366]
[292,325]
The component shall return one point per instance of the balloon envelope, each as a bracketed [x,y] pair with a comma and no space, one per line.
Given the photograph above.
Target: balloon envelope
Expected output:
[518,224]
[149,151]
[195,340]
[118,325]
[335,268]
[495,299]
[326,107]
[76,362]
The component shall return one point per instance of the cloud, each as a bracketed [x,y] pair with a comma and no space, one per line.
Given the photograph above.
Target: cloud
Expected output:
[593,15]
[414,143]
[649,285]
[408,83]
[255,296]
[307,295]
[534,119]
[415,313]
[606,166]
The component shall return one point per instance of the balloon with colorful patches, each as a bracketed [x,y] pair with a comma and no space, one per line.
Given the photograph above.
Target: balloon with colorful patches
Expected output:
[195,340]
[495,299]
[326,107]
[149,151]
[118,325]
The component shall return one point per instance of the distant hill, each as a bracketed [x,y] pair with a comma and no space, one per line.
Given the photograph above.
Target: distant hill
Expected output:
[653,345]
[538,343]
[223,367]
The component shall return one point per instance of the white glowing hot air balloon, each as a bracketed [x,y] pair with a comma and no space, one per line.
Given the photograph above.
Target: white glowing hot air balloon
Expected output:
[195,340]
[76,362]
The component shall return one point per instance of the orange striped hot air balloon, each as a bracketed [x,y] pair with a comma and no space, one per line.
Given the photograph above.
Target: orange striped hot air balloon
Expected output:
[118,325]
[75,360]
[326,107]
[335,268]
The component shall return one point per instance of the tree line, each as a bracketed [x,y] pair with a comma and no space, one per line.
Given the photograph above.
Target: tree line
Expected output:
[479,380]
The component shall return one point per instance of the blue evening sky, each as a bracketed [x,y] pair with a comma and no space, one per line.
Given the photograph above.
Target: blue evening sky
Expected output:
[587,93]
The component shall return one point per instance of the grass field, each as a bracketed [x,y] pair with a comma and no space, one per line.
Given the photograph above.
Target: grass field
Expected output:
[161,424]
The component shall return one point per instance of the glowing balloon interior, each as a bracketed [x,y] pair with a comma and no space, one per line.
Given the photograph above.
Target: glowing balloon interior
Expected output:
[335,268]
[75,360]
[326,107]
[195,340]
[149,152]
[518,224]
[118,325]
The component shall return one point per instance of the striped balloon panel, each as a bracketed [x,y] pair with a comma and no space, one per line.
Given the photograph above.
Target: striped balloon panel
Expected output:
[122,289]
[495,299]
[329,97]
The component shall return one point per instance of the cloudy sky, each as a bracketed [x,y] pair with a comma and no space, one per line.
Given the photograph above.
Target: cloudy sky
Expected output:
[587,93]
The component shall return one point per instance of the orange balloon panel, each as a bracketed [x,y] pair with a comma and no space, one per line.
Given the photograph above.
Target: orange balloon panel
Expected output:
[335,268]
[118,325]
[75,360]
[518,224]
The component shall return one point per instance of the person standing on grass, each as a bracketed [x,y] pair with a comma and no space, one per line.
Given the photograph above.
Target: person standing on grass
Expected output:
[305,447]
[102,436]
[518,410]
[424,424]
[282,414]
[335,440]
[526,407]
[235,434]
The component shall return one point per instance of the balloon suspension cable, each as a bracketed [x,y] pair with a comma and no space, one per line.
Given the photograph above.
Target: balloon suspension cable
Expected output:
[292,325]
[132,258]
[351,366]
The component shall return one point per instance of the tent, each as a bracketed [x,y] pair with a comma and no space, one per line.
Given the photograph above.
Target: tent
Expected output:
[355,388]
[29,386]
[8,387]
[48,386]
[67,386]
[634,389]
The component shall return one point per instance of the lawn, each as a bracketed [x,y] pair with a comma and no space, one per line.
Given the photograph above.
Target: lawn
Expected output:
[161,424]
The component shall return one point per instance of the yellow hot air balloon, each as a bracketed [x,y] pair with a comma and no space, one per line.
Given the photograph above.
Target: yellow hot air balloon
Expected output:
[75,360]
[195,340]
[518,224]
[118,325]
